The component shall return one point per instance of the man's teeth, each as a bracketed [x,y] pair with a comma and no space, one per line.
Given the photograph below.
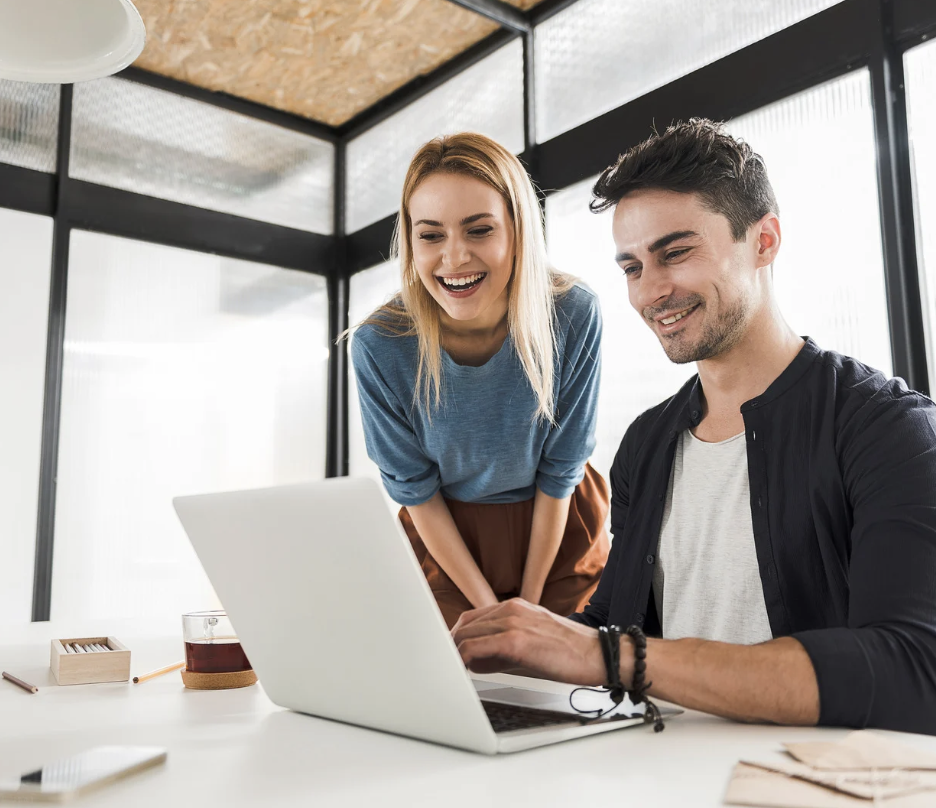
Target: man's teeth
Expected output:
[456,282]
[675,317]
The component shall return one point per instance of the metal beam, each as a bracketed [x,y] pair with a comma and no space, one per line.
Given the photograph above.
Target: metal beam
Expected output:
[901,271]
[145,218]
[27,189]
[55,352]
[339,286]
[370,245]
[549,8]
[914,21]
[232,103]
[498,11]
[421,85]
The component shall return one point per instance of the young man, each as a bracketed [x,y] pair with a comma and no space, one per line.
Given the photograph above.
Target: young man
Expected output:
[775,521]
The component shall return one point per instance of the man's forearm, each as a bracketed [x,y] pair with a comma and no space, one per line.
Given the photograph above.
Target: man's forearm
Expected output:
[772,681]
[549,522]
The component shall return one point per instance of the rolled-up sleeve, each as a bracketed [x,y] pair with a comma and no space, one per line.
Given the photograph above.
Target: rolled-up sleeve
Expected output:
[409,476]
[572,440]
[880,670]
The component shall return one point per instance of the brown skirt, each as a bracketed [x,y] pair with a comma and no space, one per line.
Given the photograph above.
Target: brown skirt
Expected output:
[498,538]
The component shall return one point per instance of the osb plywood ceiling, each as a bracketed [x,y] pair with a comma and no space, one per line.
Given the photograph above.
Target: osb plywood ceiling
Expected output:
[326,60]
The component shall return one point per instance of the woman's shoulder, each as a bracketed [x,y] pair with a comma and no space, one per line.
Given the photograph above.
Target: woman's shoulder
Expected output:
[577,304]
[383,336]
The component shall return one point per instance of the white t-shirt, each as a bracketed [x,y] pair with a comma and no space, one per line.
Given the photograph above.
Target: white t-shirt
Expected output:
[706,581]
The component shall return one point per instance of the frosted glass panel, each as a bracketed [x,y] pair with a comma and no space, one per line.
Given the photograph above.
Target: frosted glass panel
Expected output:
[24,311]
[152,142]
[600,54]
[635,373]
[920,67]
[184,373]
[29,124]
[486,98]
[369,289]
[821,156]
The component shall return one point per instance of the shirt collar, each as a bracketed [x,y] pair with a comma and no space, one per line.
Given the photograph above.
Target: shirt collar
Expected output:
[691,412]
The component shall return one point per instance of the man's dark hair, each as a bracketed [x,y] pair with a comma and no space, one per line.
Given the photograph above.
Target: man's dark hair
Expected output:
[694,157]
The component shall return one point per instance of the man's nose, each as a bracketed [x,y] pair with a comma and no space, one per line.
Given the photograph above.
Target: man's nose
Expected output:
[654,286]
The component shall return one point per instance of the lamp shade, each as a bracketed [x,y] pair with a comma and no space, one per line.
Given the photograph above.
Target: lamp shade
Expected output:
[64,41]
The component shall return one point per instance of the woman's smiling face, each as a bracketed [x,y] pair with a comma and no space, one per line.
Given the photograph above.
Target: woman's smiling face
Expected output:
[463,247]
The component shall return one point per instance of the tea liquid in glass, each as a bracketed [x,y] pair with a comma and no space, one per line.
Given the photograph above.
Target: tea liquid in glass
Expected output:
[217,655]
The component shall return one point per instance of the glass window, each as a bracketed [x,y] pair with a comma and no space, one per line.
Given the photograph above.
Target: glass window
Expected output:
[29,124]
[24,314]
[920,67]
[821,155]
[184,373]
[600,54]
[369,289]
[486,98]
[635,373]
[153,142]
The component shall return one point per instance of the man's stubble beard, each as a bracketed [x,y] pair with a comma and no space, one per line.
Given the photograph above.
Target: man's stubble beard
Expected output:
[717,337]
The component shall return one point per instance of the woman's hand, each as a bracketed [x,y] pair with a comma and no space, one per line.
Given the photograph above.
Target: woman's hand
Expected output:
[519,635]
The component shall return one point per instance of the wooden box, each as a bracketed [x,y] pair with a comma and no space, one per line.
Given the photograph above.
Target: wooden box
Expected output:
[112,665]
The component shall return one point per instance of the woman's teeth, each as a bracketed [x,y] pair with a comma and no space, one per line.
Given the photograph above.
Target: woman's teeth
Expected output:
[461,283]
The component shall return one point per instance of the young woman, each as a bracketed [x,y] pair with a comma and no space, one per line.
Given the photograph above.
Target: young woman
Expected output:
[478,385]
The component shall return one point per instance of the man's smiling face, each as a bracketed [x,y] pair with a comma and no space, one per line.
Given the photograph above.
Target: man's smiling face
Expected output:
[692,283]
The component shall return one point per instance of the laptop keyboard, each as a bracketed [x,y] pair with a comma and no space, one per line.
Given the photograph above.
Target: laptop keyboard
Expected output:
[509,717]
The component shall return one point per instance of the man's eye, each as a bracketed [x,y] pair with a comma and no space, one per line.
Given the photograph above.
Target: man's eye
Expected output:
[633,269]
[673,254]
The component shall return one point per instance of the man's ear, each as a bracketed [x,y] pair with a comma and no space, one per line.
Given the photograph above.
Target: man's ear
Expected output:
[767,239]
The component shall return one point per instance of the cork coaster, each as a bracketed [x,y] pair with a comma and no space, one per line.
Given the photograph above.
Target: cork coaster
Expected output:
[218,681]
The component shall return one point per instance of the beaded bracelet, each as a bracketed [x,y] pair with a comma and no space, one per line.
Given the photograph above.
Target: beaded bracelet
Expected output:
[639,685]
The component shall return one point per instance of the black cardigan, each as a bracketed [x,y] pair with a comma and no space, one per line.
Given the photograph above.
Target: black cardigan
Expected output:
[842,469]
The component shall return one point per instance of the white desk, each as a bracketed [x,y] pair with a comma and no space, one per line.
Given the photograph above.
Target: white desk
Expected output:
[235,748]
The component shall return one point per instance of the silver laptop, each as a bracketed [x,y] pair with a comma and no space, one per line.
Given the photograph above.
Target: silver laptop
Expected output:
[338,621]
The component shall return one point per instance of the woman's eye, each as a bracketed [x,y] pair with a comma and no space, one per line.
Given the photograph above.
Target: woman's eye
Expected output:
[480,231]
[429,236]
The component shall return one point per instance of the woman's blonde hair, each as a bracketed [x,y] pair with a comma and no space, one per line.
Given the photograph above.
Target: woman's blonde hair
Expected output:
[533,286]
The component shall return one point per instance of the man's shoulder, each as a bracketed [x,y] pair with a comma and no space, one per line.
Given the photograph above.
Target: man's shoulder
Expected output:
[858,386]
[656,422]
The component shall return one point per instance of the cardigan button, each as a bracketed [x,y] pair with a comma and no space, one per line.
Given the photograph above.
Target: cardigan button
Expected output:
[649,559]
[640,618]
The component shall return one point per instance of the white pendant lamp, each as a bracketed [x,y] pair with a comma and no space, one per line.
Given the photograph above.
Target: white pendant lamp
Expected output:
[64,41]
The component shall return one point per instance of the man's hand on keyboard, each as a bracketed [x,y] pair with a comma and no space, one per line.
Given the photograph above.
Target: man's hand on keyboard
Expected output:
[518,635]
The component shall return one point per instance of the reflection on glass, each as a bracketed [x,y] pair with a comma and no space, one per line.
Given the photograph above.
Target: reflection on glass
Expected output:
[485,98]
[819,150]
[154,142]
[184,373]
[24,311]
[369,289]
[920,67]
[600,54]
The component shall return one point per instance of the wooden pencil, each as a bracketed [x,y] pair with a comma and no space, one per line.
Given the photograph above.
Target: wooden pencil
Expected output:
[20,683]
[153,674]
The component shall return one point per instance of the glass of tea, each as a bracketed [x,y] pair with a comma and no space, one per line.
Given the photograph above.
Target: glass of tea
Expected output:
[211,646]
